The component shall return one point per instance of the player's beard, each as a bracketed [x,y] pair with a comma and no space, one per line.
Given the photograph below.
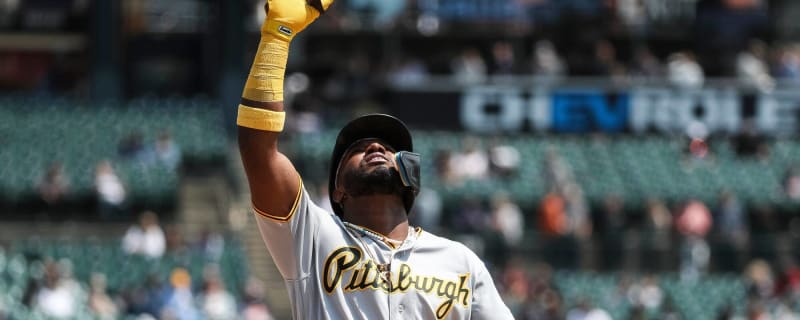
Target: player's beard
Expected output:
[380,181]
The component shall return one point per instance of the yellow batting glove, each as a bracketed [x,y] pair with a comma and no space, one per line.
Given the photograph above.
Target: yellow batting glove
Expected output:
[286,18]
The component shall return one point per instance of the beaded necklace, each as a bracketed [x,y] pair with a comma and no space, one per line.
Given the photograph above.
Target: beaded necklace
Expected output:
[384,269]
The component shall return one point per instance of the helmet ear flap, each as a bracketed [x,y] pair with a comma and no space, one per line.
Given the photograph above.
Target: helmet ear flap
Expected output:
[408,164]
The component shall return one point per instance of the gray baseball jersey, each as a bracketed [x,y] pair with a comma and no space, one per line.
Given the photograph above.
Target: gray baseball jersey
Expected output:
[331,269]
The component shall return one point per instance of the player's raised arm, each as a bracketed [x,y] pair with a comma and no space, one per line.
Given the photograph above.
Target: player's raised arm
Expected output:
[274,183]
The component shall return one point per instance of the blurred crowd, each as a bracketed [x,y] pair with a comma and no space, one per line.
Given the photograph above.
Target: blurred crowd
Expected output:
[614,39]
[54,292]
[110,193]
[760,292]
[610,226]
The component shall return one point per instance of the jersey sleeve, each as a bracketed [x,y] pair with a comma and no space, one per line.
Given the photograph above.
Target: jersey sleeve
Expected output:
[486,301]
[291,239]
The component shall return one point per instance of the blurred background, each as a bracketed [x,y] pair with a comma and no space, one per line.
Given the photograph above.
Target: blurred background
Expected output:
[625,159]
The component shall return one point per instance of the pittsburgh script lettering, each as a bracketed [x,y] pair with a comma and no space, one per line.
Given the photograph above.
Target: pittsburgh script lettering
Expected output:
[345,263]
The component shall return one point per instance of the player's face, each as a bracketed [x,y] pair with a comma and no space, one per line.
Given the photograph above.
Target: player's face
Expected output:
[368,168]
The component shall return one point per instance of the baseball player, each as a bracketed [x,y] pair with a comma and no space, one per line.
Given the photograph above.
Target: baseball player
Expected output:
[364,260]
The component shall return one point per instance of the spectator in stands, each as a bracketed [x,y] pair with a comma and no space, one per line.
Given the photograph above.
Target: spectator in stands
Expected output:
[545,60]
[131,147]
[504,232]
[443,165]
[647,293]
[210,244]
[580,310]
[145,238]
[791,183]
[54,186]
[732,222]
[605,61]
[684,71]
[515,287]
[658,224]
[633,13]
[618,296]
[552,219]
[214,300]
[543,300]
[506,217]
[556,173]
[694,222]
[503,62]
[751,66]
[469,67]
[472,163]
[58,297]
[783,310]
[253,299]
[165,152]
[698,152]
[609,222]
[577,211]
[645,64]
[110,191]
[145,299]
[787,64]
[179,302]
[585,311]
[759,280]
[504,159]
[788,282]
[100,303]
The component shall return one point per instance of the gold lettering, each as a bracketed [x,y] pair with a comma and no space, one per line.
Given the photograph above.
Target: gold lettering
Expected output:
[463,291]
[444,309]
[437,285]
[404,278]
[423,285]
[354,279]
[339,261]
[365,275]
[450,290]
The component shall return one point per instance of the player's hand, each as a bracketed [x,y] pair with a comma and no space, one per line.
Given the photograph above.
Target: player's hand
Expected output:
[286,18]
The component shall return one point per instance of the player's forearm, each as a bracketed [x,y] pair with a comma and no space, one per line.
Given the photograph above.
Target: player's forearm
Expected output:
[264,86]
[262,107]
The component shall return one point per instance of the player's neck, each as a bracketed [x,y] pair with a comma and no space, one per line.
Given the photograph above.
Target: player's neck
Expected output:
[380,213]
